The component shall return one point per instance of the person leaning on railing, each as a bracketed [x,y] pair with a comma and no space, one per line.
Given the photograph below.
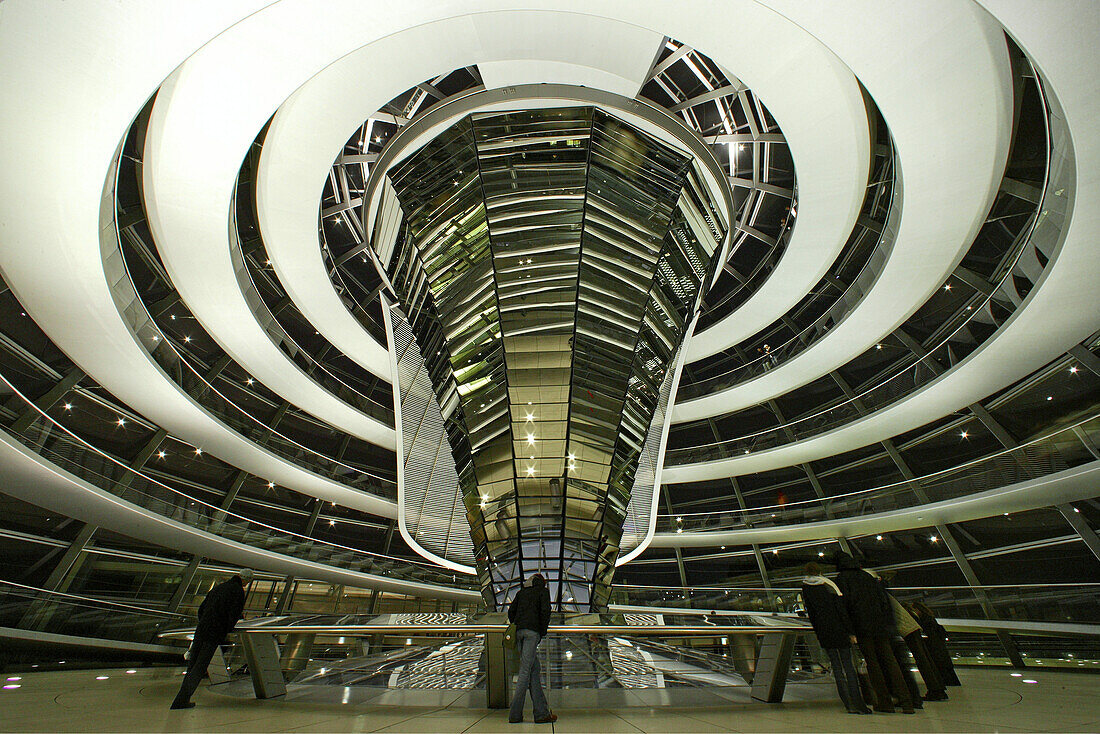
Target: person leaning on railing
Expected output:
[218,615]
[873,621]
[829,617]
[935,639]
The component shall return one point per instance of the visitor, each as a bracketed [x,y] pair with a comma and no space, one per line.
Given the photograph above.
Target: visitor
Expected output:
[935,639]
[910,632]
[873,621]
[218,615]
[530,613]
[825,608]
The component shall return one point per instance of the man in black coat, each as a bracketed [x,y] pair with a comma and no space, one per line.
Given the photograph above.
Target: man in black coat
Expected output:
[872,619]
[530,613]
[218,615]
[824,604]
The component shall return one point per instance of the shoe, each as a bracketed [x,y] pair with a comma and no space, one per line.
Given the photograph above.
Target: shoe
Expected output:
[859,711]
[908,711]
[516,721]
[884,710]
[183,705]
[547,719]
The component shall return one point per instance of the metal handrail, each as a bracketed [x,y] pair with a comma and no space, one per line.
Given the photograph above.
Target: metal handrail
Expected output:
[862,494]
[46,593]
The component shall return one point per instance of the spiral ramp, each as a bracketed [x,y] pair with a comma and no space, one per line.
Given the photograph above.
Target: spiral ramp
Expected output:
[903,341]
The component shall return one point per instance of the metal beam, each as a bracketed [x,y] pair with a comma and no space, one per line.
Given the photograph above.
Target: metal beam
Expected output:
[1077,522]
[48,400]
[1087,359]
[186,577]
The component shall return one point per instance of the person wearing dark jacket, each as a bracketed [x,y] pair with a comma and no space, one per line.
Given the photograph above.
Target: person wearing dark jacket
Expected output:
[530,613]
[935,639]
[873,621]
[825,607]
[909,630]
[218,615]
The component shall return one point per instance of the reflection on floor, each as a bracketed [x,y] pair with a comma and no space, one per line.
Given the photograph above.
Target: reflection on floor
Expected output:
[121,700]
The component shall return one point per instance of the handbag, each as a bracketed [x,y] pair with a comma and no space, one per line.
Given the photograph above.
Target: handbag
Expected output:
[510,637]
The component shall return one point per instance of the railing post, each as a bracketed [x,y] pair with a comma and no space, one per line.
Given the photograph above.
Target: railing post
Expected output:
[496,671]
[262,654]
[769,680]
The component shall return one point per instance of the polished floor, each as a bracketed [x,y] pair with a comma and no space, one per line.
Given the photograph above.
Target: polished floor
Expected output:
[137,700]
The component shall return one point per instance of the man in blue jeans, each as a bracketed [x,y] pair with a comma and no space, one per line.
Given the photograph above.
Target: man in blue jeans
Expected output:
[530,613]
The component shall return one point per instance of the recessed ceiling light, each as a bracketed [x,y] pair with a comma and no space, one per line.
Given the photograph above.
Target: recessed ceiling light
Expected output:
[161,454]
[1073,370]
[68,406]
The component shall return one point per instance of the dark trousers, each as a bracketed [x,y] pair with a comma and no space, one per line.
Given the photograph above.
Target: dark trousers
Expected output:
[202,651]
[901,655]
[847,681]
[927,667]
[529,678]
[937,649]
[885,675]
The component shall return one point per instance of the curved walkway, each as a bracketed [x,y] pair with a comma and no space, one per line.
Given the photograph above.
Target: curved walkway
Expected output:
[942,68]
